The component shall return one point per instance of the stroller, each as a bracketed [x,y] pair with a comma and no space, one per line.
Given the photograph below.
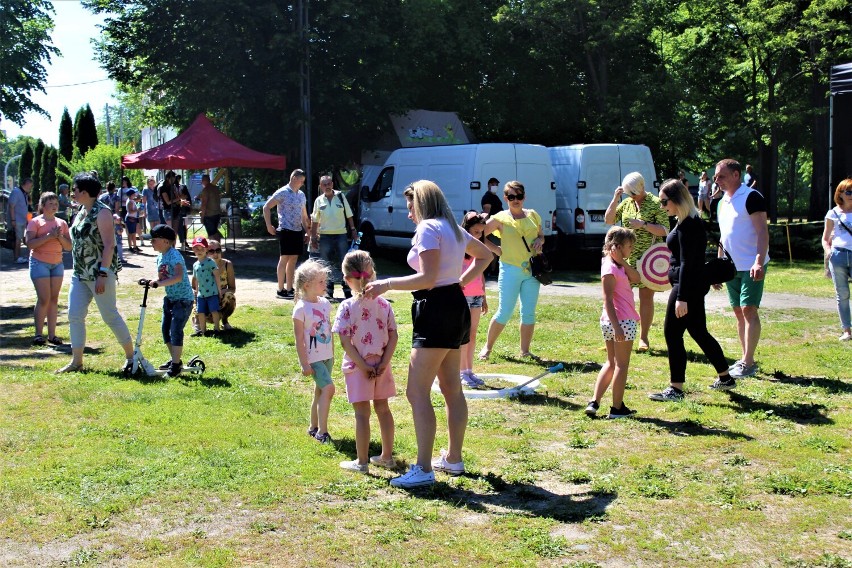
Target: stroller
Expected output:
[194,366]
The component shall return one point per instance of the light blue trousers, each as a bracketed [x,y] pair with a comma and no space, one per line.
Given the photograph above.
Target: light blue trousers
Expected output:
[512,283]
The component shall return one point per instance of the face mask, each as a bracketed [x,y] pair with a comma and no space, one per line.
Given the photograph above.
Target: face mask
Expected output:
[492,188]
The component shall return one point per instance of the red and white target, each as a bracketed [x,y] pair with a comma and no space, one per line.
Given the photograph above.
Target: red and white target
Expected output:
[653,267]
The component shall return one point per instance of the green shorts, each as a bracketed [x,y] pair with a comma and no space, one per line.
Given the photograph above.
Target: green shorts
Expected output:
[743,290]
[322,372]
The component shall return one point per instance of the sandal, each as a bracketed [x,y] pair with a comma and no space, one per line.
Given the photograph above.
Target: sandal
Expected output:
[527,354]
[54,341]
[69,368]
[38,340]
[643,346]
[483,355]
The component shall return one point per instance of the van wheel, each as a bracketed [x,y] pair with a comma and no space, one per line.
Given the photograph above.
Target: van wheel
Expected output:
[368,239]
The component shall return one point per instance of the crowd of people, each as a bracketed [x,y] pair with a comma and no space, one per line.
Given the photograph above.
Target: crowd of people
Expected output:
[448,261]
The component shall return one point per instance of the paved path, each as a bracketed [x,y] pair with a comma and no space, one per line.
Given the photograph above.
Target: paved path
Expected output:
[256,281]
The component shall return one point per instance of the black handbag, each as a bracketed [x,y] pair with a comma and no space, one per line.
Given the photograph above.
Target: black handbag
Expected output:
[720,269]
[539,266]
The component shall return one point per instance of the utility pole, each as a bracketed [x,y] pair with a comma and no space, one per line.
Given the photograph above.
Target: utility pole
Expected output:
[106,114]
[305,93]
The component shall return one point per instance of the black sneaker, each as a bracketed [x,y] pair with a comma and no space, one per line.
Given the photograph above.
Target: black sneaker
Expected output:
[721,385]
[592,409]
[165,366]
[175,369]
[128,366]
[323,438]
[671,394]
[290,294]
[312,432]
[619,412]
[281,294]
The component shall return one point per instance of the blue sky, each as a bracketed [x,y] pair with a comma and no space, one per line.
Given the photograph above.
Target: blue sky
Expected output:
[74,29]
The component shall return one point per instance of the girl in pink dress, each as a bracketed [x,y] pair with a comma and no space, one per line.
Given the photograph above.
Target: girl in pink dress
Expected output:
[367,330]
[619,320]
[474,293]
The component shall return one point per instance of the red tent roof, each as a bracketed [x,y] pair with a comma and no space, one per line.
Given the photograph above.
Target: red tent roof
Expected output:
[199,147]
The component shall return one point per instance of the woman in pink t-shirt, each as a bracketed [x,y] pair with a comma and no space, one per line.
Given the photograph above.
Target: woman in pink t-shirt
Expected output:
[47,237]
[474,293]
[619,320]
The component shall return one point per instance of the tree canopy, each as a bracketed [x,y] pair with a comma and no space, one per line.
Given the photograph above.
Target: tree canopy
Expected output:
[25,48]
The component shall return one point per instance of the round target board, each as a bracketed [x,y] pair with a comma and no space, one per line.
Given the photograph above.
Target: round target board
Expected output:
[653,267]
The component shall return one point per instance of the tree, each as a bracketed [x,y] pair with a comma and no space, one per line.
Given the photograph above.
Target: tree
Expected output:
[103,158]
[38,157]
[79,144]
[88,130]
[48,171]
[24,50]
[66,135]
[26,167]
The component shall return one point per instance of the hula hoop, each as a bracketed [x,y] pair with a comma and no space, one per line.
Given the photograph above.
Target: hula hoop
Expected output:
[498,393]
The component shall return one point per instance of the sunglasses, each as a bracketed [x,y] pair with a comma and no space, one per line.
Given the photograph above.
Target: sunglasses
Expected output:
[847,192]
[513,197]
[214,250]
[664,201]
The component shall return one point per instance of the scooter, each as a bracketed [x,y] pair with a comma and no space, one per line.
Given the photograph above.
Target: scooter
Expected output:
[194,366]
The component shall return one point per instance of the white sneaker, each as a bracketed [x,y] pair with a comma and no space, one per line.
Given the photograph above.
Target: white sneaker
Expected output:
[354,466]
[846,336]
[22,260]
[415,477]
[441,464]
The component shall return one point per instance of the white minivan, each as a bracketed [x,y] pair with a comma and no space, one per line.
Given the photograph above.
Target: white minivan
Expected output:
[462,172]
[586,177]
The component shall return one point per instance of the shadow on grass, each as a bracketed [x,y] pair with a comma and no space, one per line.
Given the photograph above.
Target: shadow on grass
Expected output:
[569,367]
[800,413]
[237,337]
[185,378]
[689,428]
[519,498]
[832,386]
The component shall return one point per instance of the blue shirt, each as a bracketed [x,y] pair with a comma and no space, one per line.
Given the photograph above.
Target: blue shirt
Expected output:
[166,263]
[290,205]
[202,271]
[17,204]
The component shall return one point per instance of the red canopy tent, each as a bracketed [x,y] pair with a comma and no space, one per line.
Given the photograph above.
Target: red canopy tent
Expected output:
[199,147]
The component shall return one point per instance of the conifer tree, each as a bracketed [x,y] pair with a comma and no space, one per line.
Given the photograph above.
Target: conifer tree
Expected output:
[66,135]
[38,157]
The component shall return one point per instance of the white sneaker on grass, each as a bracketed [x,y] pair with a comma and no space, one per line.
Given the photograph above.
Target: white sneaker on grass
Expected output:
[354,466]
[741,370]
[441,464]
[415,477]
[846,336]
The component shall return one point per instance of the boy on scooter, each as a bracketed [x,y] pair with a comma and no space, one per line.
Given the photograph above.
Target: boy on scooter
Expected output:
[177,305]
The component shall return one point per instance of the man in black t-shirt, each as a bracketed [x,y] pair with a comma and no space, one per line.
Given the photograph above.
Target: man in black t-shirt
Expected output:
[166,193]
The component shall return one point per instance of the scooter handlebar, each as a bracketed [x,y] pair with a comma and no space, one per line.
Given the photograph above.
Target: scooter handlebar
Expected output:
[148,283]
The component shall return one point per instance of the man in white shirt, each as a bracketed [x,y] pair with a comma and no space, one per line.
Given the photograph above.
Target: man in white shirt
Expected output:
[16,215]
[331,221]
[745,235]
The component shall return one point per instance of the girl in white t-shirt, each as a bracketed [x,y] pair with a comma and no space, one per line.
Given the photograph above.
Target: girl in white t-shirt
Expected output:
[312,331]
[619,320]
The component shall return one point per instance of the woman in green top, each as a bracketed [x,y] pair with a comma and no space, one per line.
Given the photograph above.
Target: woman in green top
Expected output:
[95,270]
[642,213]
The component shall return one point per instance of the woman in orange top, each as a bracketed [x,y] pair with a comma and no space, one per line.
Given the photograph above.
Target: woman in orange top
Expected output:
[47,237]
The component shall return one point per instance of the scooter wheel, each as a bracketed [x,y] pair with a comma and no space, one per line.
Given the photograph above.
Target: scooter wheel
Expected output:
[197,364]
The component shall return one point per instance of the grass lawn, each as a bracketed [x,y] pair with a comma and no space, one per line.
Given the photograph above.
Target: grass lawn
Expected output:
[99,469]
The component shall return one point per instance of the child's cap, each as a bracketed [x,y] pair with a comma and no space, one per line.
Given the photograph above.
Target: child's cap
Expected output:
[163,232]
[129,191]
[199,242]
[117,218]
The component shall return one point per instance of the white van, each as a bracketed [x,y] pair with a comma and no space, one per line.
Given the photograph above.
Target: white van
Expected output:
[462,172]
[586,177]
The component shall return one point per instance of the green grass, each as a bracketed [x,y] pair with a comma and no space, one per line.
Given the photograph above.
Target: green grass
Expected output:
[98,469]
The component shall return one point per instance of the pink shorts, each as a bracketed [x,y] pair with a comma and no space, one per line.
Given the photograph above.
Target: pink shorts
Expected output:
[360,388]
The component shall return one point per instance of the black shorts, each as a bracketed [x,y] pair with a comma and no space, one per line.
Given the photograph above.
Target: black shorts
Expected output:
[441,318]
[290,243]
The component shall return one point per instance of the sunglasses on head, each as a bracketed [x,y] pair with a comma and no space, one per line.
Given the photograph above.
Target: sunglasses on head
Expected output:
[514,197]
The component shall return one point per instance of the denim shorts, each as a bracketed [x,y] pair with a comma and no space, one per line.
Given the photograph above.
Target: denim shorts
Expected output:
[39,269]
[322,372]
[207,305]
[474,301]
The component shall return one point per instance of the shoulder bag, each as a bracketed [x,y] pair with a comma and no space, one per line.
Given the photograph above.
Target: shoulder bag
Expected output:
[539,266]
[720,269]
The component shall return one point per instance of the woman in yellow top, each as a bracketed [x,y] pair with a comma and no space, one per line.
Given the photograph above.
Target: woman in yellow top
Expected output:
[649,222]
[514,225]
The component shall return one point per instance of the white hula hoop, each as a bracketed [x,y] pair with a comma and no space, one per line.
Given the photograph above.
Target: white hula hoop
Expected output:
[498,393]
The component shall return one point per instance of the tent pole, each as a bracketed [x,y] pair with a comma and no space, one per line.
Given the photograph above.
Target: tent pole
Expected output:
[830,147]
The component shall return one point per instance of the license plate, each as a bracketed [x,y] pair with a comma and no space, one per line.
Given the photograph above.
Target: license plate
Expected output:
[597,217]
